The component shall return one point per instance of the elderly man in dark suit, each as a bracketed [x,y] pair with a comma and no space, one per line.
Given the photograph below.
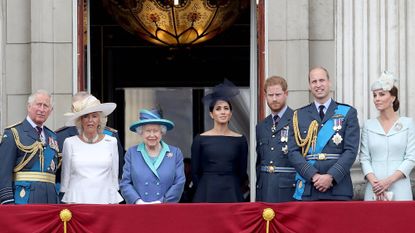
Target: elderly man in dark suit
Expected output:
[327,139]
[275,175]
[29,156]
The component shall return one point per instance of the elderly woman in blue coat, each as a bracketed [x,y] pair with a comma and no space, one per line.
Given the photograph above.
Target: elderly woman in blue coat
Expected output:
[153,171]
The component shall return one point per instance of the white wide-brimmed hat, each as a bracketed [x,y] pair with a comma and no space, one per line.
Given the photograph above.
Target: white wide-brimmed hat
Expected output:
[88,105]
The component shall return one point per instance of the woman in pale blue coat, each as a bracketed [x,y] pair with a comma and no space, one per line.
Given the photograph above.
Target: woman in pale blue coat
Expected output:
[387,151]
[153,171]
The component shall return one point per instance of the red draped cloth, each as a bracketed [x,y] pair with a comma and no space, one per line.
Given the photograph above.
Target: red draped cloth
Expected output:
[294,217]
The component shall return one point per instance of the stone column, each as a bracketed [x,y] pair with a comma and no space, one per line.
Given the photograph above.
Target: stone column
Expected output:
[38,55]
[288,46]
[372,36]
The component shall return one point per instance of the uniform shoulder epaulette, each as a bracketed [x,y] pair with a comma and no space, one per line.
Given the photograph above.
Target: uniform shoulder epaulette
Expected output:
[344,104]
[49,129]
[11,126]
[111,129]
[61,128]
[303,107]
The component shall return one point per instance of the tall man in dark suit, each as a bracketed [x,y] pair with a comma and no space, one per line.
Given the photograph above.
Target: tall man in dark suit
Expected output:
[29,156]
[327,140]
[275,175]
[69,131]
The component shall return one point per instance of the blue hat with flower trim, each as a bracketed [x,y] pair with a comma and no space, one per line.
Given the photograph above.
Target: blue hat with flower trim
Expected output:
[150,117]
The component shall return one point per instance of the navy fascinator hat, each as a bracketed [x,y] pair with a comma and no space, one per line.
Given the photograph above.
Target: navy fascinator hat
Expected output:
[224,91]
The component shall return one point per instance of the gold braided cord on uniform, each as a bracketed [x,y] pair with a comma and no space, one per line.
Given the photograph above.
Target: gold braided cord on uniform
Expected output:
[60,160]
[31,150]
[310,139]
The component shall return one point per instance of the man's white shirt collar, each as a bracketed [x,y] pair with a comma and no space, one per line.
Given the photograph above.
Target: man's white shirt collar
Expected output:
[326,105]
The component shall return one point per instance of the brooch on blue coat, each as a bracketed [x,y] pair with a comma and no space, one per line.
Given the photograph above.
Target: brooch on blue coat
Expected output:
[398,126]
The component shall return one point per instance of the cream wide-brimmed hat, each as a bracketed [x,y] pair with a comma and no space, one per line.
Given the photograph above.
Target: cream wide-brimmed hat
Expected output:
[88,105]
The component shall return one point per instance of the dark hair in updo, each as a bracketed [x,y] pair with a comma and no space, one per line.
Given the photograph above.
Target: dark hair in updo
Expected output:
[212,104]
[394,92]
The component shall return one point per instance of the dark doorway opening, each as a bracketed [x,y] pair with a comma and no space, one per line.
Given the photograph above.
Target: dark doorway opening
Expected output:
[121,60]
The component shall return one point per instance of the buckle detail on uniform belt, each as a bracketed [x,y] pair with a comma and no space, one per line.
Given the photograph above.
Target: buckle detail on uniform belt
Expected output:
[35,176]
[275,169]
[322,156]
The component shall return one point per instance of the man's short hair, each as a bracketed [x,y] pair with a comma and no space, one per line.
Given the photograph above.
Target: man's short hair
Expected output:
[319,68]
[275,80]
[33,96]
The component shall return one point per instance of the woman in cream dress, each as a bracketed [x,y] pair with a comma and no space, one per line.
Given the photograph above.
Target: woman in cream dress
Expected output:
[387,151]
[90,159]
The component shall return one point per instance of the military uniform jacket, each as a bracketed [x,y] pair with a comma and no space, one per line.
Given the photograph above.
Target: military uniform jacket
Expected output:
[22,192]
[339,168]
[273,151]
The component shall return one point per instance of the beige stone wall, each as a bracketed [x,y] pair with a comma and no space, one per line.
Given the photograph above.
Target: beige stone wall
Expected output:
[37,53]
[300,35]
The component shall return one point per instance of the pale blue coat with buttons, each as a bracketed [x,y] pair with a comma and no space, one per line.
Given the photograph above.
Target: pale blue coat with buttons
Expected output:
[384,153]
[162,181]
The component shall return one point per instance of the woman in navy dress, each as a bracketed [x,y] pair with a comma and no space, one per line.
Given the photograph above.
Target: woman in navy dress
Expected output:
[219,155]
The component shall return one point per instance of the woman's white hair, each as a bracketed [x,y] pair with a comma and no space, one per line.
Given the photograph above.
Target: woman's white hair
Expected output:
[102,123]
[139,129]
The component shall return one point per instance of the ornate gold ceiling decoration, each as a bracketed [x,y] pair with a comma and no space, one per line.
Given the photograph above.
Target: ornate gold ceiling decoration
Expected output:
[163,22]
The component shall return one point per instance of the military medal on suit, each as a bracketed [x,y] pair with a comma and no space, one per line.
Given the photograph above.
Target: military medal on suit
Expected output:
[338,120]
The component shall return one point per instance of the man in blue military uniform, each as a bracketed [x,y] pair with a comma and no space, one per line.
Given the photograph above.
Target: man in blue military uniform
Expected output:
[29,156]
[275,175]
[69,131]
[327,139]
